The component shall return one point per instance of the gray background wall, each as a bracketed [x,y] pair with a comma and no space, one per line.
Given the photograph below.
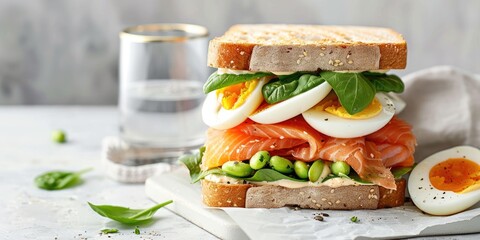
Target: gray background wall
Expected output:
[66,51]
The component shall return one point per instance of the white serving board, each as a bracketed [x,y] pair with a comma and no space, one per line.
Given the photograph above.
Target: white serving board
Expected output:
[187,203]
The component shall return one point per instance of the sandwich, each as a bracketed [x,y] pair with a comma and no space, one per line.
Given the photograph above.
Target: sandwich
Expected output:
[301,115]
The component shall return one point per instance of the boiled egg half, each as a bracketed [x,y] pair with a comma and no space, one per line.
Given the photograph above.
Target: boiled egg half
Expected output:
[229,106]
[330,117]
[284,110]
[446,182]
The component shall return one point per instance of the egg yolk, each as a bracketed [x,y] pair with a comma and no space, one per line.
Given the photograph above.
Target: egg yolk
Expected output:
[455,174]
[234,96]
[332,105]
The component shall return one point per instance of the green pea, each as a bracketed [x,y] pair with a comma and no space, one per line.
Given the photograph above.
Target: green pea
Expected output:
[59,136]
[315,170]
[237,169]
[340,167]
[301,169]
[281,164]
[259,160]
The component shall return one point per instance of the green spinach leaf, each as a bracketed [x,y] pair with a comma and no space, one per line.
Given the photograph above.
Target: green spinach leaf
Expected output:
[127,215]
[397,174]
[352,176]
[385,83]
[217,81]
[400,171]
[57,180]
[354,90]
[289,86]
[269,175]
[193,161]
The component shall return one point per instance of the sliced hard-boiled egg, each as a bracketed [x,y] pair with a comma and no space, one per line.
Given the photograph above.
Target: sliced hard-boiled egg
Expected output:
[284,110]
[330,118]
[227,107]
[446,182]
[397,101]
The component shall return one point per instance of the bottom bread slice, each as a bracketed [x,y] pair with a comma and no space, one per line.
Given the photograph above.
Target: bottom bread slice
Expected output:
[323,197]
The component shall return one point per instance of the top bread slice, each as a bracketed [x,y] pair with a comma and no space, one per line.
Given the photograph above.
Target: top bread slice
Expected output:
[290,48]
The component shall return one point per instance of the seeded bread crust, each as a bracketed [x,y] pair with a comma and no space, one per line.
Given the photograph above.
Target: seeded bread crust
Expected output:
[289,48]
[269,196]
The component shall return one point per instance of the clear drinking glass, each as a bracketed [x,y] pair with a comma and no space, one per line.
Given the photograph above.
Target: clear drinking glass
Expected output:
[162,71]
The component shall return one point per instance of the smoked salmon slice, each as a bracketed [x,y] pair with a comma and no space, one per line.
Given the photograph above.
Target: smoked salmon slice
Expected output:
[395,132]
[243,141]
[370,156]
[362,157]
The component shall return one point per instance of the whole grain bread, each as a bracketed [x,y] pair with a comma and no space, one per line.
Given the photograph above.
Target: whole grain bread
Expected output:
[290,48]
[323,197]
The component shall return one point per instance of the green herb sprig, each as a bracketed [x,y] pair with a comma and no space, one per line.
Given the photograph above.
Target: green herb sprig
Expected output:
[109,230]
[127,215]
[193,161]
[57,180]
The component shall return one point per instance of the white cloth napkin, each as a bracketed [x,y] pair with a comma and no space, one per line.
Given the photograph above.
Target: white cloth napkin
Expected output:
[443,106]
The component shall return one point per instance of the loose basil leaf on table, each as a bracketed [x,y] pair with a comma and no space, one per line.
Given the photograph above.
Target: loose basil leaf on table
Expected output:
[289,86]
[385,83]
[57,180]
[269,175]
[127,215]
[217,81]
[354,90]
[193,161]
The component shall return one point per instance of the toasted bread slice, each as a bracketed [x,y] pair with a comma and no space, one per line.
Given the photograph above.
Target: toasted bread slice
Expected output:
[270,196]
[290,48]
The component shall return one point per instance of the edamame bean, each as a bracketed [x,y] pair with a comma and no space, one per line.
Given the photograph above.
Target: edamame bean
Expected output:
[281,164]
[237,169]
[259,160]
[59,136]
[340,167]
[301,169]
[315,170]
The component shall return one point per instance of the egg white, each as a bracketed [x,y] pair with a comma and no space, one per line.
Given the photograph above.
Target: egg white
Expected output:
[215,116]
[397,101]
[339,127]
[439,202]
[292,107]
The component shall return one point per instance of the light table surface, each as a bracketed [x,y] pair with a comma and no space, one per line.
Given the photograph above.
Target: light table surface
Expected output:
[26,150]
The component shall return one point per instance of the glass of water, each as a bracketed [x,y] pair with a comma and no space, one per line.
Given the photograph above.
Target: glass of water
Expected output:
[162,71]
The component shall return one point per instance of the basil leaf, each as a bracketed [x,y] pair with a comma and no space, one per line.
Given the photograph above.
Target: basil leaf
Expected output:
[269,175]
[289,86]
[127,215]
[354,90]
[57,180]
[217,81]
[193,161]
[385,83]
[400,171]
